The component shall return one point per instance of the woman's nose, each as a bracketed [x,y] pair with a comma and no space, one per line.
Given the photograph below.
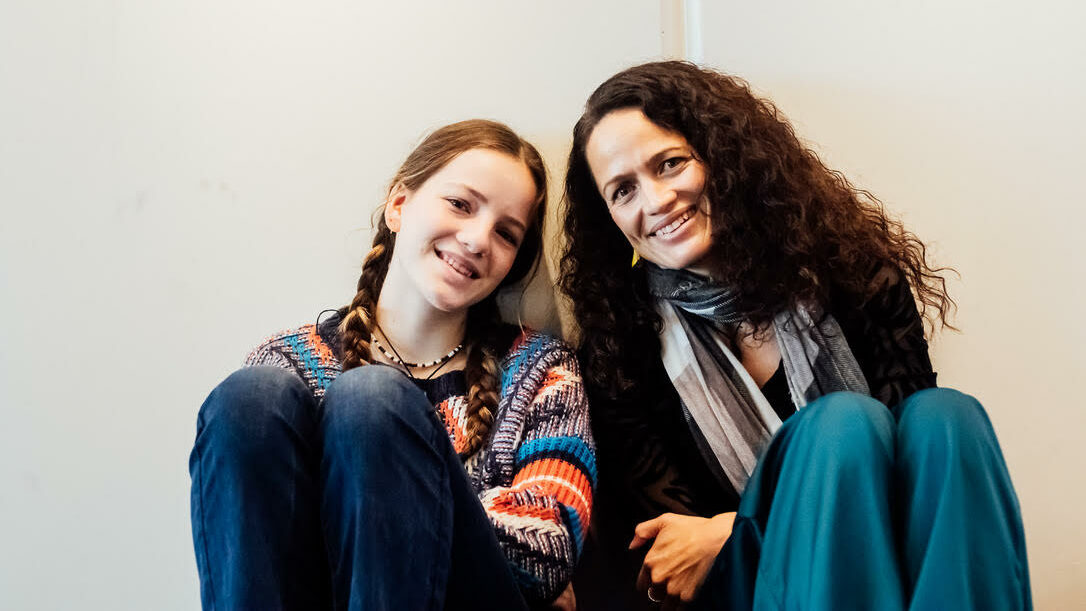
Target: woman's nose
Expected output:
[660,196]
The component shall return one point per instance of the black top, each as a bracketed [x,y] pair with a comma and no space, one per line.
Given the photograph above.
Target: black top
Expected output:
[649,463]
[775,390]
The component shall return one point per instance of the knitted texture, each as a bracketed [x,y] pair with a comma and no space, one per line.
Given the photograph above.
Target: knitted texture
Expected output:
[536,472]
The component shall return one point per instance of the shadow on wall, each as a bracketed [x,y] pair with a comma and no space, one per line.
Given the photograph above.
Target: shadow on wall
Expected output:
[536,305]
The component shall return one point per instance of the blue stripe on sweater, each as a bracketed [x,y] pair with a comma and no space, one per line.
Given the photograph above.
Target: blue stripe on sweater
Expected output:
[309,360]
[572,449]
[517,361]
[572,518]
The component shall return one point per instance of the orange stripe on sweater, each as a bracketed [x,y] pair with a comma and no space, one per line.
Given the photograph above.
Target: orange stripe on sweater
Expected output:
[573,487]
[506,504]
[452,423]
[554,378]
[321,348]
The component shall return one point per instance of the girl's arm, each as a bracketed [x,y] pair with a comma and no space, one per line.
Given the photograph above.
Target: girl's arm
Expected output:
[541,517]
[302,351]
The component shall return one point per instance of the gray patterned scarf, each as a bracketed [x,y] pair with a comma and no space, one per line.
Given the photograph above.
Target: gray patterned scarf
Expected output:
[730,418]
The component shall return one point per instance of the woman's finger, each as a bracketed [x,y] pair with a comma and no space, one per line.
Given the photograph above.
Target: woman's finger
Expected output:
[647,531]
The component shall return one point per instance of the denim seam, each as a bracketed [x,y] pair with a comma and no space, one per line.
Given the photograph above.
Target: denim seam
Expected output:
[438,598]
[203,525]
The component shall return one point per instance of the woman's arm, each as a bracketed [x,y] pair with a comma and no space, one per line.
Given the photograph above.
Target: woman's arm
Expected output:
[541,517]
[886,335]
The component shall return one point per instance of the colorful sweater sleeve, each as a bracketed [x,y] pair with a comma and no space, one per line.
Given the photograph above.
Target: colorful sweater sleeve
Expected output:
[541,517]
[302,351]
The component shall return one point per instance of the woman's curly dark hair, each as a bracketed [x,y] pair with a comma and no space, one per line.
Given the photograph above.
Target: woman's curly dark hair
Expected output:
[786,229]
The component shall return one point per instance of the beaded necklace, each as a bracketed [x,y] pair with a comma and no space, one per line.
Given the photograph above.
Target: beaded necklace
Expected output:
[395,357]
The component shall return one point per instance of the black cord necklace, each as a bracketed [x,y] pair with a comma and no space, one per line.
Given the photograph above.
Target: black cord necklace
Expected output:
[407,366]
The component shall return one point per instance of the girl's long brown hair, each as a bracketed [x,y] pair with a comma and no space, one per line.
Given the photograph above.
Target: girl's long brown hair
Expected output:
[484,327]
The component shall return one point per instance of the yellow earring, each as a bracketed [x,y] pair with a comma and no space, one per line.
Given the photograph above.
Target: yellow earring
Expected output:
[635,258]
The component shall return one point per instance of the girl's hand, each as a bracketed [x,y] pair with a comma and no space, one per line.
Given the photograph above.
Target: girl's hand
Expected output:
[681,555]
[566,600]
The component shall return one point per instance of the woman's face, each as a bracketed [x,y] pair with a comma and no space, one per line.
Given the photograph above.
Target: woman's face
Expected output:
[654,187]
[459,232]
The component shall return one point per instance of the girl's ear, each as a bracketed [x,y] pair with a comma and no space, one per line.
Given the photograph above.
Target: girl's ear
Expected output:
[394,206]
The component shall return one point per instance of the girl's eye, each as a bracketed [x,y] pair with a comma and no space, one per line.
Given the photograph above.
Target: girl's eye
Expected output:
[458,203]
[508,236]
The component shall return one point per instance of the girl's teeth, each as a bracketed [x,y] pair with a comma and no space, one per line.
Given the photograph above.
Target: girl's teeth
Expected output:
[458,268]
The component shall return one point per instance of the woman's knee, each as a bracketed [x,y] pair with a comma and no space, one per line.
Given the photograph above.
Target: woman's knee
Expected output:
[942,414]
[244,407]
[847,424]
[371,401]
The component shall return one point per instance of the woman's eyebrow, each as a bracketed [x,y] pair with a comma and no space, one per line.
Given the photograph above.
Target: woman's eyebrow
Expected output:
[616,178]
[653,160]
[665,152]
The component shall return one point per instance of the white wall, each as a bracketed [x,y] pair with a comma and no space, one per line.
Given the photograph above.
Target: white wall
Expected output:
[180,179]
[966,119]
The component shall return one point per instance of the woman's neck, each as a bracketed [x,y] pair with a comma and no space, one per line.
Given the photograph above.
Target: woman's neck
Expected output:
[418,331]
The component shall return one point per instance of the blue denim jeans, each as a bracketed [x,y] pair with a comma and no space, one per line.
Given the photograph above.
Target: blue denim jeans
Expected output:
[857,507]
[355,502]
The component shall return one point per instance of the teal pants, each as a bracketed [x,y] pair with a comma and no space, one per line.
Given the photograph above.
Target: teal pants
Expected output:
[855,506]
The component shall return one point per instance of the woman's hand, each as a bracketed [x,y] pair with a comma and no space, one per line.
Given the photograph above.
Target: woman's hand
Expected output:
[681,555]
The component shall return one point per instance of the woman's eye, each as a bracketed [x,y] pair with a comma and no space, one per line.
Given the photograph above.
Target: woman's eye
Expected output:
[672,163]
[458,203]
[621,193]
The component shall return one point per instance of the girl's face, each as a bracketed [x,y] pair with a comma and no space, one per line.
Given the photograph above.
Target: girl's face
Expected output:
[458,233]
[654,188]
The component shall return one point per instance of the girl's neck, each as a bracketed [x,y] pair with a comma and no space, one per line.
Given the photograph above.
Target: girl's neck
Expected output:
[418,331]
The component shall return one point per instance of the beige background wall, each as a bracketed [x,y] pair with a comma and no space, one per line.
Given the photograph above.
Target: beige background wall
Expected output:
[966,119]
[179,179]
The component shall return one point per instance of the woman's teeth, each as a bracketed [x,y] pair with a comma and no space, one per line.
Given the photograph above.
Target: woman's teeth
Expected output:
[456,265]
[670,228]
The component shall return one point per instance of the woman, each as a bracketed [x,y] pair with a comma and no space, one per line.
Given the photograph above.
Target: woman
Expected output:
[754,462]
[409,451]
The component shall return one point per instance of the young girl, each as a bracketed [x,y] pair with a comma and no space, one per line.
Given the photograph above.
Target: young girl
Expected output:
[408,451]
[740,373]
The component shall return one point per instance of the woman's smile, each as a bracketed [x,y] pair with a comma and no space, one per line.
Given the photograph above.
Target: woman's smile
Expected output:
[670,228]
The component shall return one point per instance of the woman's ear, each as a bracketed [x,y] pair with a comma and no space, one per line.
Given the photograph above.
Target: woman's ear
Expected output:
[394,206]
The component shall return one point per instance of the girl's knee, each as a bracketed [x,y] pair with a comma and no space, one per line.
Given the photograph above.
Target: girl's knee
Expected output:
[253,393]
[241,410]
[371,399]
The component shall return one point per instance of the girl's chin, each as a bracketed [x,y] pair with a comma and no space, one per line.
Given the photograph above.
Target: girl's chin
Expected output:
[452,304]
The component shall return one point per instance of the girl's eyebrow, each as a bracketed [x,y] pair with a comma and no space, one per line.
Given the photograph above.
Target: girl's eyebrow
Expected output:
[474,193]
[515,222]
[482,198]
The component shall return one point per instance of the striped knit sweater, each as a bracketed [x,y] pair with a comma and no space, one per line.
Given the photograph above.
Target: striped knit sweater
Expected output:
[536,473]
